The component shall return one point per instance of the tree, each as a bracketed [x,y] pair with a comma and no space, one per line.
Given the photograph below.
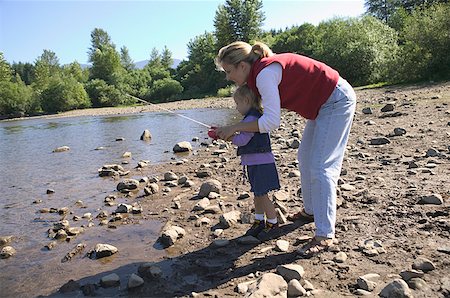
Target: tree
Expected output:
[158,65]
[125,59]
[382,9]
[155,59]
[24,70]
[100,40]
[298,39]
[198,75]
[386,9]
[424,53]
[362,50]
[64,95]
[164,89]
[74,70]
[238,20]
[166,58]
[45,67]
[15,98]
[104,95]
[137,82]
[5,69]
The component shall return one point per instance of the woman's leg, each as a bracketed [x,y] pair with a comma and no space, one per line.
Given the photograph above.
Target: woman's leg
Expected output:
[331,132]
[304,158]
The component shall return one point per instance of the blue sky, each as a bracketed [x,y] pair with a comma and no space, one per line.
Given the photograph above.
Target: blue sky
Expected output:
[64,27]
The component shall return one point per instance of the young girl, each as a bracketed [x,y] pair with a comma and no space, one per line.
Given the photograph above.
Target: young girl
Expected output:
[315,91]
[256,155]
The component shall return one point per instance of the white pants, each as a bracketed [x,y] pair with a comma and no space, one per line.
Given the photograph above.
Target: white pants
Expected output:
[320,156]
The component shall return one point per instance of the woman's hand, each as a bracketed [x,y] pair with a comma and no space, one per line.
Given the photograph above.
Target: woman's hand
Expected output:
[226,132]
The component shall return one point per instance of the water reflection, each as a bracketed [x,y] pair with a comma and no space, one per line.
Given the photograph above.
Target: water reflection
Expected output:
[13,129]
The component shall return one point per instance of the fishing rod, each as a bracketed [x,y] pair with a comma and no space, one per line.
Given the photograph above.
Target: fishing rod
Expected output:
[169,111]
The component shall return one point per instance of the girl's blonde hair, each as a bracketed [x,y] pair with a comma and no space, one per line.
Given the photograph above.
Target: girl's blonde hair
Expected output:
[239,51]
[245,92]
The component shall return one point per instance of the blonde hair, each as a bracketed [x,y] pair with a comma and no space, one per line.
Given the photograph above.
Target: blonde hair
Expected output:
[239,51]
[243,92]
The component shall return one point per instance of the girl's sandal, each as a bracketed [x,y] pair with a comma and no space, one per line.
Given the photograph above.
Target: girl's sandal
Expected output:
[301,215]
[316,246]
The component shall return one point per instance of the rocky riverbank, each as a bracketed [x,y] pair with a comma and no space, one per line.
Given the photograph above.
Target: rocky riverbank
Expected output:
[393,222]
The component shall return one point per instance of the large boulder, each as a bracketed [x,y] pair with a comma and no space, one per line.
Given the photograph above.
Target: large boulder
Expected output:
[268,285]
[211,185]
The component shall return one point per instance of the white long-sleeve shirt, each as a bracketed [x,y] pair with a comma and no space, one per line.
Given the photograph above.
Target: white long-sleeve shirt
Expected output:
[267,83]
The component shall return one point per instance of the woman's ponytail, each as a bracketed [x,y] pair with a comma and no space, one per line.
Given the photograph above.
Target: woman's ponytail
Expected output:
[241,51]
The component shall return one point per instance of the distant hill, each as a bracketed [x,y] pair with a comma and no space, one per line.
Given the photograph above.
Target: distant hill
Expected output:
[140,64]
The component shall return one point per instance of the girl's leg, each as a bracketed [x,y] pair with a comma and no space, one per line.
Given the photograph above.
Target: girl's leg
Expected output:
[259,224]
[332,128]
[259,208]
[267,207]
[304,158]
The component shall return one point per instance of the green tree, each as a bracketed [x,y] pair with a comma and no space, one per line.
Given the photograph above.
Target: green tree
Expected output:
[166,58]
[385,10]
[125,59]
[24,70]
[382,9]
[100,40]
[137,82]
[155,59]
[158,65]
[5,69]
[15,98]
[74,70]
[298,39]
[45,67]
[238,20]
[106,63]
[164,89]
[426,44]
[198,75]
[362,50]
[106,66]
[104,95]
[64,95]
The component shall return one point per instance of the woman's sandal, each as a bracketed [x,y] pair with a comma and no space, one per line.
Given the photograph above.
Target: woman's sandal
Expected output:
[315,246]
[301,215]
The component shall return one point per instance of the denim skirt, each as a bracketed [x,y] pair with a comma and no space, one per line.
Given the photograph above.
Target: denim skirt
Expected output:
[263,178]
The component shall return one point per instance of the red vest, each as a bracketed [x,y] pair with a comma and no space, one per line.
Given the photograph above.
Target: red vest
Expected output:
[305,85]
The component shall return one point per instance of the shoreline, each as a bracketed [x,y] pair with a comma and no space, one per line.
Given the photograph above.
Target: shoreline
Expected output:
[211,102]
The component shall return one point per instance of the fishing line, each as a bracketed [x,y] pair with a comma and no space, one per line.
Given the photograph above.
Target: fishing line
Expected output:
[169,111]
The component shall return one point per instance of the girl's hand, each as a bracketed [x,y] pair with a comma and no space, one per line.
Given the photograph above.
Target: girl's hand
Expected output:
[225,132]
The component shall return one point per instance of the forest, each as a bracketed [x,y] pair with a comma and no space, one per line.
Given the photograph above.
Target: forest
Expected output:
[394,42]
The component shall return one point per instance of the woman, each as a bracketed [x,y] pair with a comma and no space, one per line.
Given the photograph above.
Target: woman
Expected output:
[316,92]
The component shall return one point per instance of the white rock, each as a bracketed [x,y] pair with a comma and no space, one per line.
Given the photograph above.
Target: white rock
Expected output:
[282,245]
[7,252]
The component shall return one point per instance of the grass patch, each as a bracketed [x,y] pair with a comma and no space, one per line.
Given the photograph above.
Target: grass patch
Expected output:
[372,86]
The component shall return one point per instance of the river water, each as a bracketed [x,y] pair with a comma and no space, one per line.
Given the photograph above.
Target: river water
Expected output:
[28,167]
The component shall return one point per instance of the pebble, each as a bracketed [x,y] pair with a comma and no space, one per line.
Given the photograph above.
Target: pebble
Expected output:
[340,257]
